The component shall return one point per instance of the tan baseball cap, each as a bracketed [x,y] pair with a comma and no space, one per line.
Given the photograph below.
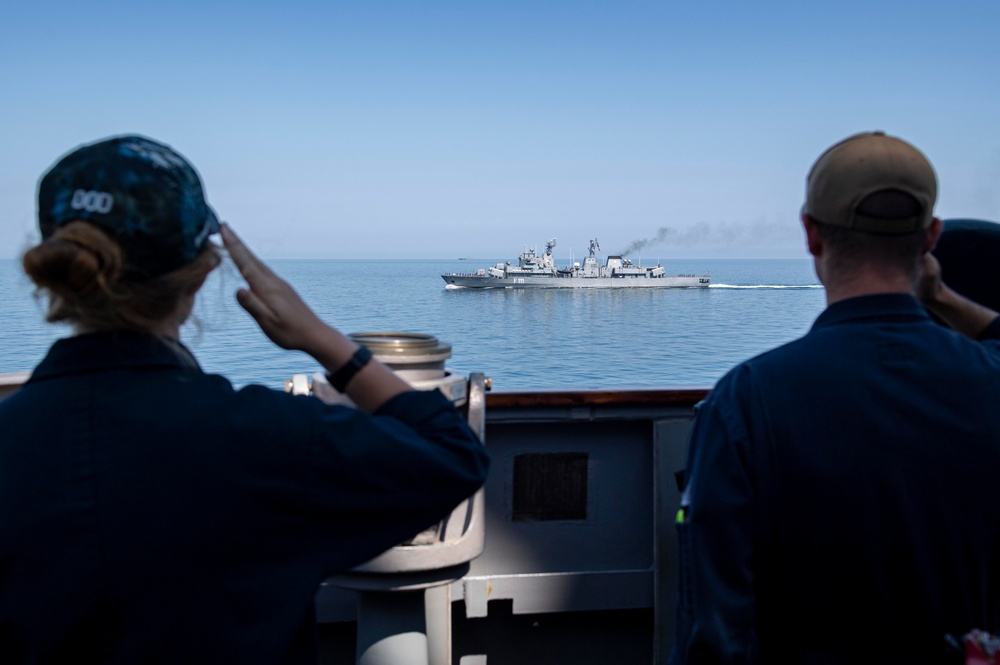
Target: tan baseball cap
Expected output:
[862,165]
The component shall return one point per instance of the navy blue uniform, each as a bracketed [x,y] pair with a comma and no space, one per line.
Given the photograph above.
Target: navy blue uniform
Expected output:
[843,495]
[150,513]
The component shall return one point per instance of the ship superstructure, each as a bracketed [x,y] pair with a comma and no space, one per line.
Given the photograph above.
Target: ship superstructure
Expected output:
[535,270]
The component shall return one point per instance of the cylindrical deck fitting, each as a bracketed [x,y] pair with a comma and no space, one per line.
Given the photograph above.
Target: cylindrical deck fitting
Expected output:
[391,628]
[404,601]
[413,356]
[416,358]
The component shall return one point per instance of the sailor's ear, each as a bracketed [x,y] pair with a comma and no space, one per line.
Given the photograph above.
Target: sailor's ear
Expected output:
[933,234]
[814,239]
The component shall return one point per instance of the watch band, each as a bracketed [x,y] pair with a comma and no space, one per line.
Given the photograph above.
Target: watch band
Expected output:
[346,372]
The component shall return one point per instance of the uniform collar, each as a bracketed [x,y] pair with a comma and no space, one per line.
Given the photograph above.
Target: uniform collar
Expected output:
[113,350]
[881,307]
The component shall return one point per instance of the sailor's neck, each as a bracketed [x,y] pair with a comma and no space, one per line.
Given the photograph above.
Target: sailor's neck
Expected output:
[837,290]
[166,330]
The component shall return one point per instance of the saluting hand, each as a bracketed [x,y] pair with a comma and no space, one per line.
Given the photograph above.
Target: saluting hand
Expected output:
[271,301]
[288,322]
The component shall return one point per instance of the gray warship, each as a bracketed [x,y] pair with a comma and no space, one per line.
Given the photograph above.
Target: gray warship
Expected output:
[535,271]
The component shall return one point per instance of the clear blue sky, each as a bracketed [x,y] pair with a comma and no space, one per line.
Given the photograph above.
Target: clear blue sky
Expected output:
[434,129]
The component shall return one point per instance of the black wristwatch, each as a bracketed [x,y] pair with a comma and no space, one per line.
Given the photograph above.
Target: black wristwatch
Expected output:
[346,372]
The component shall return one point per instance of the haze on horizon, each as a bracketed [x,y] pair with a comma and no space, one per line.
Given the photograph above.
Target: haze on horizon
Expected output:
[448,129]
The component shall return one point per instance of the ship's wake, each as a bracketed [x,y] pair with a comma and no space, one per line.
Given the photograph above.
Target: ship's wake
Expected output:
[766,286]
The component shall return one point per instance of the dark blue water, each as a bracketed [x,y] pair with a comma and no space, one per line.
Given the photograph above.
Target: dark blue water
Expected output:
[533,339]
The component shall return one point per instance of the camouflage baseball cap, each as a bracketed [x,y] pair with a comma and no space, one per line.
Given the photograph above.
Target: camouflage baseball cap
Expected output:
[142,193]
[865,164]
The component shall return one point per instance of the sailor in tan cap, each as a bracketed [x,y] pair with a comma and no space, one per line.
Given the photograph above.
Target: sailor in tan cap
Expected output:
[841,492]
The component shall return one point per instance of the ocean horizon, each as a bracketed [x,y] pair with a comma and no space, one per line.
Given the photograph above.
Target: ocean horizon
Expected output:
[541,339]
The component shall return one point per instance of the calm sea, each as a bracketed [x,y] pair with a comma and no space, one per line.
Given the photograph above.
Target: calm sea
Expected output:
[533,340]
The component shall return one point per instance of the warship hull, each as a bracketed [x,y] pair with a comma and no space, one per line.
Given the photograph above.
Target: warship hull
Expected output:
[539,271]
[472,281]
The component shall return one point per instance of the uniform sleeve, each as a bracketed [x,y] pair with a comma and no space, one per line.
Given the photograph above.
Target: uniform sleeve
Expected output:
[338,480]
[415,455]
[385,477]
[715,618]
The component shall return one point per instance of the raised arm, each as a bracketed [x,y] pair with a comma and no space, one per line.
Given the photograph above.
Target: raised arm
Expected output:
[960,313]
[290,323]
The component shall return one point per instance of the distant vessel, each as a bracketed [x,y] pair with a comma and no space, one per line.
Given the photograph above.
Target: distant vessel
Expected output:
[540,272]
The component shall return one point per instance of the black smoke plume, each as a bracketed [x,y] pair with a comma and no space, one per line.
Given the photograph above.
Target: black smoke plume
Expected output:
[714,235]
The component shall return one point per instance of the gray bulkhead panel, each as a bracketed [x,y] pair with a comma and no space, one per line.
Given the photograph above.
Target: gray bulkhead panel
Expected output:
[580,538]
